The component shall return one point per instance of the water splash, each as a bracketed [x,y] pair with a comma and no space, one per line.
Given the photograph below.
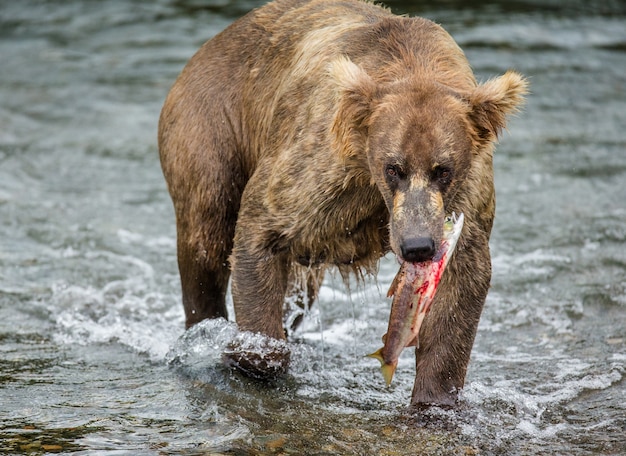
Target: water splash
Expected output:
[129,310]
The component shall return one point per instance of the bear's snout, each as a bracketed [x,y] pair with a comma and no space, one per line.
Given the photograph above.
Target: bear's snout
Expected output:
[416,224]
[417,249]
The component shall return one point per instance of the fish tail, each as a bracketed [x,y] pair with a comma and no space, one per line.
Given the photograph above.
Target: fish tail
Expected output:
[388,369]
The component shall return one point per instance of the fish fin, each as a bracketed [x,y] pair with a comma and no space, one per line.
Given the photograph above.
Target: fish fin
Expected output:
[412,343]
[378,354]
[394,285]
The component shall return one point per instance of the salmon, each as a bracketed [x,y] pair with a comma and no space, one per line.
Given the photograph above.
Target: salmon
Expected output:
[413,290]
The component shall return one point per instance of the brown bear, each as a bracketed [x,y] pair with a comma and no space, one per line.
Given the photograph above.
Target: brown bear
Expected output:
[316,133]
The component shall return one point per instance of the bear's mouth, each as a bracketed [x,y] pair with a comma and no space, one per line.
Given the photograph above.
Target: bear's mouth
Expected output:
[413,290]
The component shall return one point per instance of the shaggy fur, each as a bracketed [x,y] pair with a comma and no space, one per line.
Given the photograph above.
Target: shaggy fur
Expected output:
[327,132]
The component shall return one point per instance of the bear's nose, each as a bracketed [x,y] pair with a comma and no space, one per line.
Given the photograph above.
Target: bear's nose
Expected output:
[418,249]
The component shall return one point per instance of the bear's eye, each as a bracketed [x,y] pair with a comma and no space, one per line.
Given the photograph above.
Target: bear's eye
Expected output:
[393,172]
[442,175]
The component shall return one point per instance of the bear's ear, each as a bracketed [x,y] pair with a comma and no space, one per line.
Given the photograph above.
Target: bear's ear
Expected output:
[492,101]
[356,91]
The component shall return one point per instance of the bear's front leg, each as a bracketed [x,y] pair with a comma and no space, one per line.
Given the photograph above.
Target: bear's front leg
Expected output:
[259,285]
[260,276]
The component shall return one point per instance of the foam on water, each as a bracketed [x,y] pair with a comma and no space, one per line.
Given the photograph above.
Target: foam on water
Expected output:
[511,413]
[535,409]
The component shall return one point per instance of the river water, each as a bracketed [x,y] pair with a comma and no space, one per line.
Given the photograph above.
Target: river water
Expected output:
[93,355]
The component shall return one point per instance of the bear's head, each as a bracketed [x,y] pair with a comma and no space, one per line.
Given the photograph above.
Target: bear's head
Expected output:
[421,142]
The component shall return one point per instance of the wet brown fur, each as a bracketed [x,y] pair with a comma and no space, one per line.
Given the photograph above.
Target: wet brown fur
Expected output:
[275,141]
